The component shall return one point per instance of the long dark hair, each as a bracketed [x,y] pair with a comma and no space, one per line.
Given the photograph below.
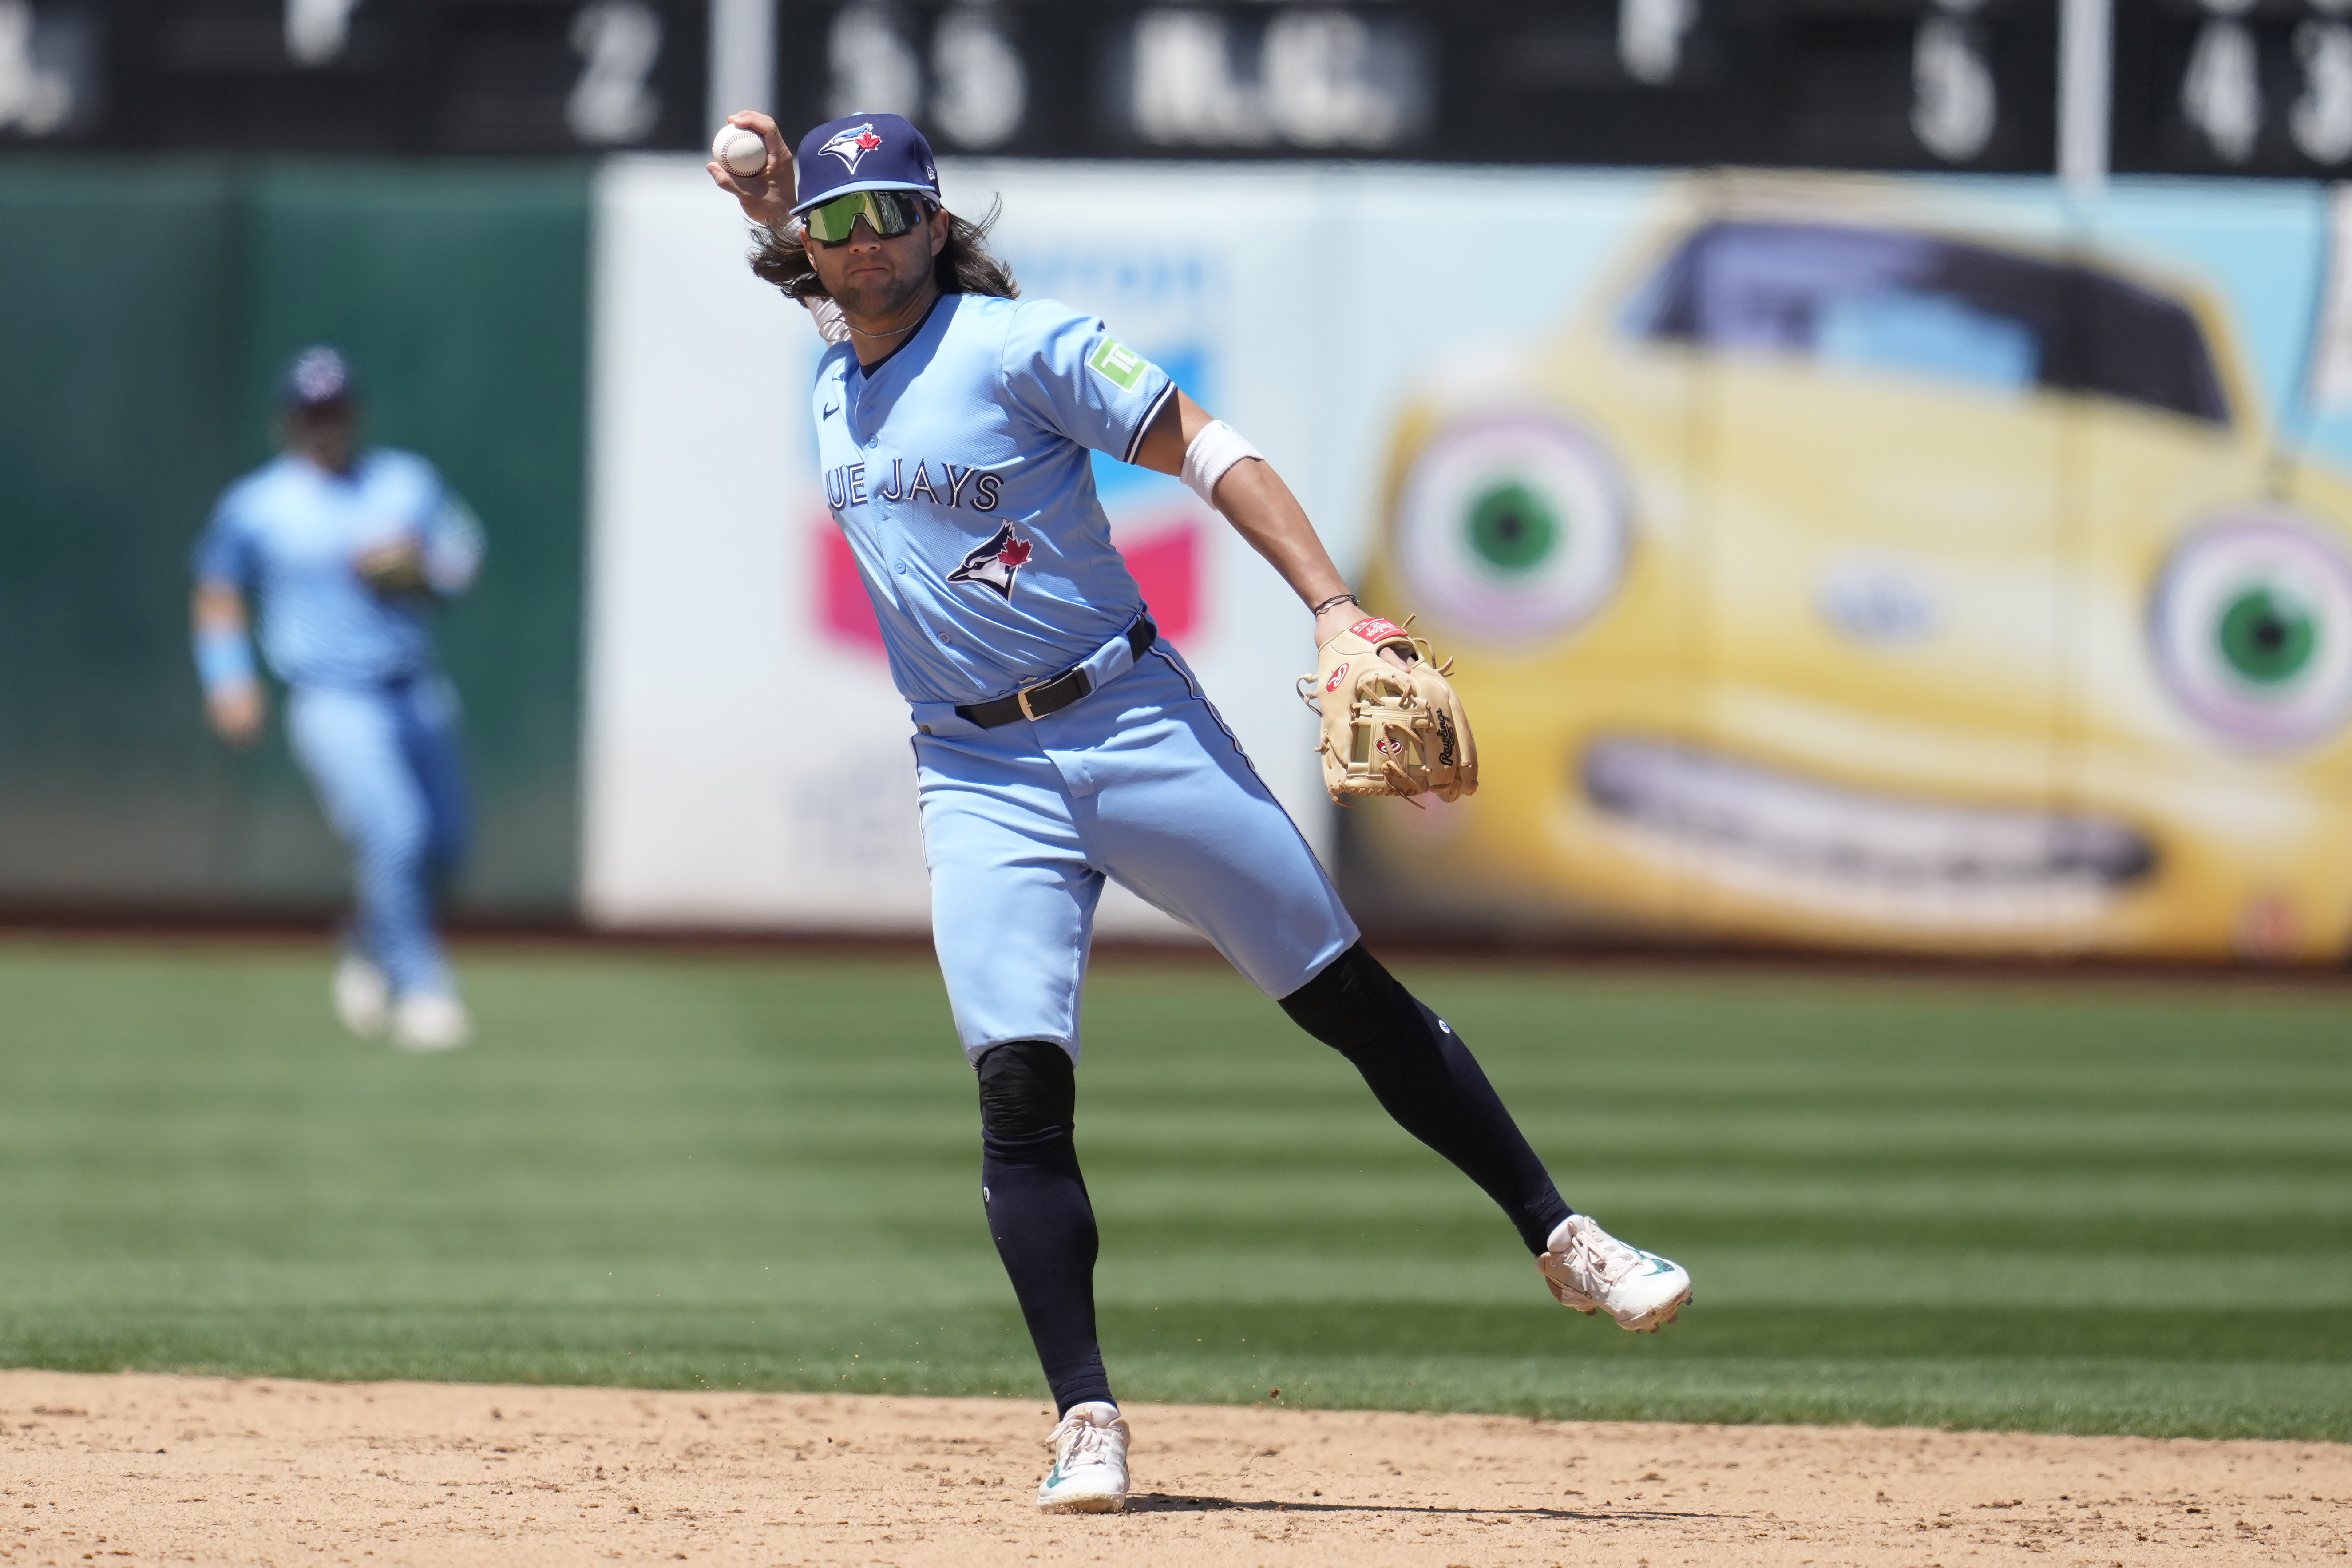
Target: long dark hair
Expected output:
[965,267]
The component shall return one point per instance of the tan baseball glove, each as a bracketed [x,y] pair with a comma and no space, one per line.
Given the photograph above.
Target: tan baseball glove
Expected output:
[1388,730]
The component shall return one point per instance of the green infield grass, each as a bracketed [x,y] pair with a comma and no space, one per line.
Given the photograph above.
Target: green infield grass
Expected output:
[2084,1204]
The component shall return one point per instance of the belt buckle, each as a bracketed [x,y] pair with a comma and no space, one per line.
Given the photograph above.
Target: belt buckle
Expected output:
[1086,688]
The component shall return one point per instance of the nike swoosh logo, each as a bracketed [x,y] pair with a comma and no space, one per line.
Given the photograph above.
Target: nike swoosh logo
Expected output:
[831,409]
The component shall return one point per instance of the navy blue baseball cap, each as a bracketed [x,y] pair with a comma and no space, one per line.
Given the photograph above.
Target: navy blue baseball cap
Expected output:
[863,152]
[318,375]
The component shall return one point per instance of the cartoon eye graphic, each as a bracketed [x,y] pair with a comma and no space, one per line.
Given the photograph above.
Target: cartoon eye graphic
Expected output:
[2253,627]
[1512,528]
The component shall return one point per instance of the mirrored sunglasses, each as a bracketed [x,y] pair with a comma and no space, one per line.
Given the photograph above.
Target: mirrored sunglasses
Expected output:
[887,213]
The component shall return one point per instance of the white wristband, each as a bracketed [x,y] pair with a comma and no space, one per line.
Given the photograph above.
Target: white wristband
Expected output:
[1216,448]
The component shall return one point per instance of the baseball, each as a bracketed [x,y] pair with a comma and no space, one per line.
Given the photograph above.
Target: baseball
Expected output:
[739,152]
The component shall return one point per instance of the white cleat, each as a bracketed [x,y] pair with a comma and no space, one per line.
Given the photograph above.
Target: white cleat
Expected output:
[1593,1271]
[362,997]
[430,1021]
[1089,1473]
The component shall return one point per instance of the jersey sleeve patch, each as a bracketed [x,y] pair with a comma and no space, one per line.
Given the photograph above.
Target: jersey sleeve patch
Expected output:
[1119,364]
[1069,375]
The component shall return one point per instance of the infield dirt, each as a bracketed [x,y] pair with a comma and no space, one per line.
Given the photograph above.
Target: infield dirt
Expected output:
[142,1469]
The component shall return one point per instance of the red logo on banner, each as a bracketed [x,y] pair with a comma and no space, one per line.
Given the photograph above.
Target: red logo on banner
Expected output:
[1165,563]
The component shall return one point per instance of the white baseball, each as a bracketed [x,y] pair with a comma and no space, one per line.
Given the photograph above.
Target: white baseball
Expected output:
[739,152]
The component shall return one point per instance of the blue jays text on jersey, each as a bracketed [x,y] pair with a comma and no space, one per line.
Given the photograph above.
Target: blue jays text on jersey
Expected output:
[845,486]
[291,532]
[960,472]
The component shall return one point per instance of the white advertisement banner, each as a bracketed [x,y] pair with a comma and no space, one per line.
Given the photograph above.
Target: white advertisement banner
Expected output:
[747,758]
[1916,562]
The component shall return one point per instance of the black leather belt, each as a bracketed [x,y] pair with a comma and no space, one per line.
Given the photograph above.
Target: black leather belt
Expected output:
[1052,696]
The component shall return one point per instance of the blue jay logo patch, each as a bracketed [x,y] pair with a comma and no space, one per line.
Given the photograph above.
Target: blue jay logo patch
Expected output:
[852,145]
[996,563]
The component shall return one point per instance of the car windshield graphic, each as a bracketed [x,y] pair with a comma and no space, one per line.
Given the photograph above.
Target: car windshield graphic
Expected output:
[1881,299]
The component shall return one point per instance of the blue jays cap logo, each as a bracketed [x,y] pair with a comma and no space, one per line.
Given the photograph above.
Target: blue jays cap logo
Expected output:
[994,564]
[852,145]
[861,152]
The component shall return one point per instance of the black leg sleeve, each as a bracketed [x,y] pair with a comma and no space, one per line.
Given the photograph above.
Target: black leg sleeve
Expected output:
[1038,1214]
[1425,1076]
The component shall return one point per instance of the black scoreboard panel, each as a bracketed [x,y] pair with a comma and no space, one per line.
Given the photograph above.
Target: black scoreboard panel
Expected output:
[1879,84]
[1876,84]
[2262,87]
[358,75]
[2258,87]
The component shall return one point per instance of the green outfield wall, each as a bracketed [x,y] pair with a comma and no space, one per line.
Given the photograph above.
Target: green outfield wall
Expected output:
[144,309]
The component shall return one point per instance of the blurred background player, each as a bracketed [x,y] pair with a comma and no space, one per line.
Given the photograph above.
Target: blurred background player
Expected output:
[349,552]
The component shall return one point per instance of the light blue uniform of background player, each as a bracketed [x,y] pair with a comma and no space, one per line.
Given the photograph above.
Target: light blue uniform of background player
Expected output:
[347,551]
[1060,744]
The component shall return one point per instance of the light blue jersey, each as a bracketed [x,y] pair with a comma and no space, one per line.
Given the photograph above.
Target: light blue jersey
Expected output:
[290,534]
[959,471]
[960,468]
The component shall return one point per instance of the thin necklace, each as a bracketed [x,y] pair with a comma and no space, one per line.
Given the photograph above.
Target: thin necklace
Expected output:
[895,331]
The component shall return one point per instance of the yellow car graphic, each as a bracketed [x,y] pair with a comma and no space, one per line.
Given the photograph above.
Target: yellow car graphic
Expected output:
[1839,578]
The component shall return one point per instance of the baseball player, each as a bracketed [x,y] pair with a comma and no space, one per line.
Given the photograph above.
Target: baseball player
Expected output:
[348,551]
[1059,740]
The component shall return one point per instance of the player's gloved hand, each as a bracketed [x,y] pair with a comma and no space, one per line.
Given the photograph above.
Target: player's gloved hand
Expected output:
[396,566]
[1389,730]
